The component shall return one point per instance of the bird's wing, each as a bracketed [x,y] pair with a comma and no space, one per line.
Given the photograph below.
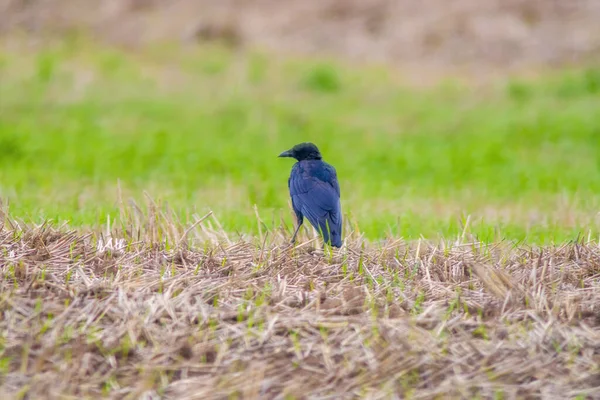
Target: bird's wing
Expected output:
[297,207]
[333,178]
[317,199]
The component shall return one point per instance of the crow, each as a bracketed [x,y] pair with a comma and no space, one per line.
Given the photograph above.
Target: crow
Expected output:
[315,193]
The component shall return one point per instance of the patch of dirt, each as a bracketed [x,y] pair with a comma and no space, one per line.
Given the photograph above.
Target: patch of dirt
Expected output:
[493,34]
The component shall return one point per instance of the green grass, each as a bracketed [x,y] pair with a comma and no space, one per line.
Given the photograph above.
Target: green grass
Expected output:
[201,128]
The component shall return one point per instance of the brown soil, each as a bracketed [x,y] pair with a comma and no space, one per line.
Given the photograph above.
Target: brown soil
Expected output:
[493,34]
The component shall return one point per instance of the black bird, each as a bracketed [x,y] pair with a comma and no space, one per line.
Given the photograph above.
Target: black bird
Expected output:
[315,193]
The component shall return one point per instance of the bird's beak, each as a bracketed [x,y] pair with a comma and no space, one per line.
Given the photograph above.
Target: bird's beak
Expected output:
[287,153]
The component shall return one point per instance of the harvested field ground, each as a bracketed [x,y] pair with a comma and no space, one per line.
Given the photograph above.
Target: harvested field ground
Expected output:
[155,309]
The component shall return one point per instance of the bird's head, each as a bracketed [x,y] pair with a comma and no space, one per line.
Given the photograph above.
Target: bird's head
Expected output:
[303,151]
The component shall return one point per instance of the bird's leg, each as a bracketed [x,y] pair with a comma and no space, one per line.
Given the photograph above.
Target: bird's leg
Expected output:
[296,233]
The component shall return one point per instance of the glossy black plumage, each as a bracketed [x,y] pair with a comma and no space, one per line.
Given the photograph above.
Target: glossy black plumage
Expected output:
[315,193]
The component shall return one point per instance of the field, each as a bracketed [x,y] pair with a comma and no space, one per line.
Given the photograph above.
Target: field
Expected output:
[145,225]
[201,129]
[90,315]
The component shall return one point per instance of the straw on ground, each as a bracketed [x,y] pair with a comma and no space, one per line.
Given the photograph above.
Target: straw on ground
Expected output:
[154,315]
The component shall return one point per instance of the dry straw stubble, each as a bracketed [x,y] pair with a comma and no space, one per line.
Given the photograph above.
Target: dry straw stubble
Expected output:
[156,308]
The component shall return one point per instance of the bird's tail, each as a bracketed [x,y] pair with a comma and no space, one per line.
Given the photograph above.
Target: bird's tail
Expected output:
[332,234]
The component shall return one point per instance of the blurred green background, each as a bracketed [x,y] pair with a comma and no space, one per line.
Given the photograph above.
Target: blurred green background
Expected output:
[201,128]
